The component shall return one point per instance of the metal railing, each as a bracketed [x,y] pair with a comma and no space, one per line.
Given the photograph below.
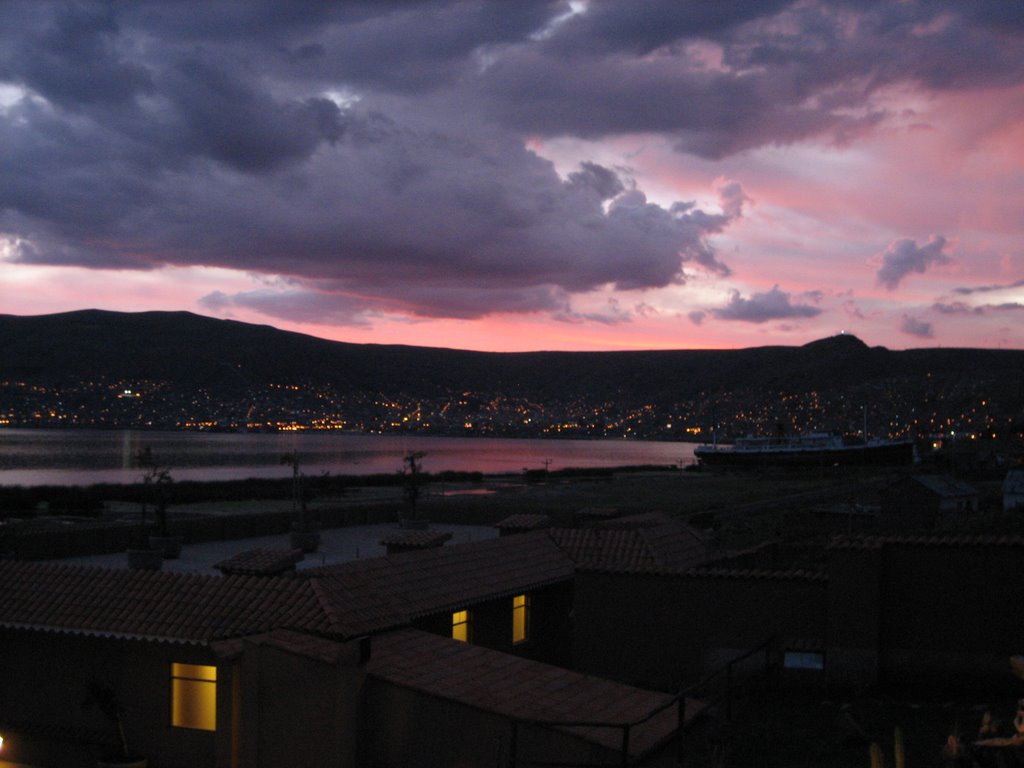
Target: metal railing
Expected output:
[703,691]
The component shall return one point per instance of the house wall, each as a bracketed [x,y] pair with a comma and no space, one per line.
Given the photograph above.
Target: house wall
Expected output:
[296,710]
[926,614]
[853,607]
[664,632]
[44,699]
[951,613]
[550,635]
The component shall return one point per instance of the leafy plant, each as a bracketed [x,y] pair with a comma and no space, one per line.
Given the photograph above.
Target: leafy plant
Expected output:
[104,699]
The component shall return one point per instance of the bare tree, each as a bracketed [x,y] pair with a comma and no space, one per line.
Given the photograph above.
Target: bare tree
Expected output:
[412,469]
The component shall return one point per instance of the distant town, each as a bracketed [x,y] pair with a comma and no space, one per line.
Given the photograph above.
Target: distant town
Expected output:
[964,411]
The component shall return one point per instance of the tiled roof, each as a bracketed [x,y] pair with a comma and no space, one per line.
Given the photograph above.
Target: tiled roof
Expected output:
[597,513]
[260,562]
[640,520]
[369,595]
[524,522]
[644,543]
[153,605]
[596,548]
[959,540]
[676,545]
[415,539]
[301,644]
[519,688]
[945,486]
[753,574]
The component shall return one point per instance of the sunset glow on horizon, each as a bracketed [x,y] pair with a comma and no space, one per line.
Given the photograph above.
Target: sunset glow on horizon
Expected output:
[536,176]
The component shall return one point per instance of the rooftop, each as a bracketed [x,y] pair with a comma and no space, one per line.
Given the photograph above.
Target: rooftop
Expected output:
[153,605]
[634,543]
[928,540]
[370,595]
[337,545]
[261,562]
[523,689]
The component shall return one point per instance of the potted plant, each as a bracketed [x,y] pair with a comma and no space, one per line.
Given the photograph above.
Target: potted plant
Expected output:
[304,534]
[105,700]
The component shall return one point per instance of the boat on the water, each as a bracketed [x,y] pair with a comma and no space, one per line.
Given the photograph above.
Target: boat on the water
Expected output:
[816,449]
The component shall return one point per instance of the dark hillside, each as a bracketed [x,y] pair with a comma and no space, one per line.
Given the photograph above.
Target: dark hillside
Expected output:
[185,353]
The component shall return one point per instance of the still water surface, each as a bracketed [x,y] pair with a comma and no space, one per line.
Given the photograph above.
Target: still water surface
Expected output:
[70,457]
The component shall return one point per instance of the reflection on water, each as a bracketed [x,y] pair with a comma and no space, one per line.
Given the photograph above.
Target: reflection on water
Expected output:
[63,457]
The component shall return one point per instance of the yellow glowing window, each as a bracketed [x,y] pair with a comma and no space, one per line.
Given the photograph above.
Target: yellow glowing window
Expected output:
[460,626]
[194,696]
[520,618]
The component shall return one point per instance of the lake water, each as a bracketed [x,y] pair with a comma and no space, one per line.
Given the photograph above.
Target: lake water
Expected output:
[81,457]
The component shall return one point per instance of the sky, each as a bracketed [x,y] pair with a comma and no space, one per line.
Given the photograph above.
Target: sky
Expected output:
[602,175]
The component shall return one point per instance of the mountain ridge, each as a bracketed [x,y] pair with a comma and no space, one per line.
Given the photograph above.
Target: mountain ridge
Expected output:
[181,354]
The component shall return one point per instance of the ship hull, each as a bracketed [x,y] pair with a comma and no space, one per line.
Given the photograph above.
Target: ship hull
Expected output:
[885,454]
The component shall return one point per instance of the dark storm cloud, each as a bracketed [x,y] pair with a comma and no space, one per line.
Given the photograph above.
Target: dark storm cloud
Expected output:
[443,224]
[74,57]
[903,257]
[217,114]
[643,26]
[914,327]
[375,152]
[762,307]
[785,71]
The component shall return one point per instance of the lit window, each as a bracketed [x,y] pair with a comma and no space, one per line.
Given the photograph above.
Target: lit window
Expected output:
[520,618]
[194,696]
[460,626]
